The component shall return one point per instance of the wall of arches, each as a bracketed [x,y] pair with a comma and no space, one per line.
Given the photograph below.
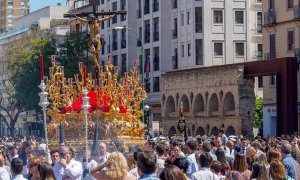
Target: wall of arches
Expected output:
[212,98]
[204,104]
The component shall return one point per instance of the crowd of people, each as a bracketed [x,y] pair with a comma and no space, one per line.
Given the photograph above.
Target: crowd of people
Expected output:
[161,158]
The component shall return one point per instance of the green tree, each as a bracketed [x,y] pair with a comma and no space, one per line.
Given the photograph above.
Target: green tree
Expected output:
[21,92]
[21,70]
[73,49]
[258,112]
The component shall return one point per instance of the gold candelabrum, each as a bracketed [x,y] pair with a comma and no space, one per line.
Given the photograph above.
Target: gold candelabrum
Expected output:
[115,101]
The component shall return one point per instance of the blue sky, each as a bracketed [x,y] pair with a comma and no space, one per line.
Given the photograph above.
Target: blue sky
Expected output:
[38,4]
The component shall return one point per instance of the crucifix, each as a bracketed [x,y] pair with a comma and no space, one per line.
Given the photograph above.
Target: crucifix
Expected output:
[95,41]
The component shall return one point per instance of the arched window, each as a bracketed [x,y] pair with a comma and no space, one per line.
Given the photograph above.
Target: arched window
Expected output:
[214,131]
[198,105]
[185,102]
[230,131]
[228,105]
[200,131]
[213,104]
[170,105]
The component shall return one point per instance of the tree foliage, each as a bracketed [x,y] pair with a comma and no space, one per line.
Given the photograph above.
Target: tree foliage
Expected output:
[73,49]
[21,69]
[258,112]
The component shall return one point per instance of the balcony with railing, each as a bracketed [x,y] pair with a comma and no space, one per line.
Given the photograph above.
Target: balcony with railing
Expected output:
[114,46]
[174,33]
[270,55]
[270,17]
[259,55]
[297,12]
[266,56]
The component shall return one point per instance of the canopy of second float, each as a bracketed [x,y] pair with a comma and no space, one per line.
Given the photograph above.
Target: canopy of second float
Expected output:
[100,102]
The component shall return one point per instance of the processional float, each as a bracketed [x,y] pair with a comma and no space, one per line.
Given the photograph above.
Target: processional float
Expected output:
[107,96]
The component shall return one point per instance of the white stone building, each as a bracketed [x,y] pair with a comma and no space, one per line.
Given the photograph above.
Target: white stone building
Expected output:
[182,34]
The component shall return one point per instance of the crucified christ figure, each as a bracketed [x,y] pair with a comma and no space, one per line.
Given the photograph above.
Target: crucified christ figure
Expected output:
[96,41]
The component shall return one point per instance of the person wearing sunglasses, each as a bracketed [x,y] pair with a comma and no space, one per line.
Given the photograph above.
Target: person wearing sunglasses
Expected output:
[68,167]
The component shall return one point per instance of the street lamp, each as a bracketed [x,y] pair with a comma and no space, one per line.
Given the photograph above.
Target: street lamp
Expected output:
[149,124]
[143,71]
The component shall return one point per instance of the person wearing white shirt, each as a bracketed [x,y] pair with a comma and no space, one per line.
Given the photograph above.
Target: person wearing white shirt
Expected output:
[204,172]
[103,154]
[16,166]
[67,167]
[229,149]
[193,165]
[3,160]
[91,163]
[4,174]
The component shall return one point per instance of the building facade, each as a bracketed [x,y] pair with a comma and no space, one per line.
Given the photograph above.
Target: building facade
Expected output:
[9,10]
[179,34]
[280,39]
[224,101]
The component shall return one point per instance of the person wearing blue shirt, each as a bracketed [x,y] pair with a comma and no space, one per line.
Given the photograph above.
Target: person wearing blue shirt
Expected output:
[288,161]
[146,164]
[222,135]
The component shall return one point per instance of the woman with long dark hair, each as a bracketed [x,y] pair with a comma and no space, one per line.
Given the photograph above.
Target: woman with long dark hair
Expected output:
[45,171]
[220,153]
[240,169]
[259,172]
[172,173]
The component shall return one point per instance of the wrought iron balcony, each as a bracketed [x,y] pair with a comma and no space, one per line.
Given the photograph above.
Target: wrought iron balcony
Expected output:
[297,12]
[270,17]
[259,55]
